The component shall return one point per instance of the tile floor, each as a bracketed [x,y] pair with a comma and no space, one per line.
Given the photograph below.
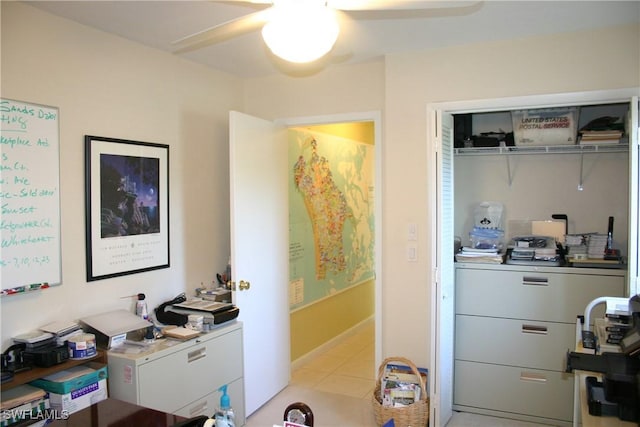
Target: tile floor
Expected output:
[338,382]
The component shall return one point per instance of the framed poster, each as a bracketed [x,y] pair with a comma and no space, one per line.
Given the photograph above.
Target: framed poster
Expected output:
[127,207]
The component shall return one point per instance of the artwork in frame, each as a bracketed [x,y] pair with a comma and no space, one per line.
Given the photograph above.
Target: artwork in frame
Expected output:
[127,207]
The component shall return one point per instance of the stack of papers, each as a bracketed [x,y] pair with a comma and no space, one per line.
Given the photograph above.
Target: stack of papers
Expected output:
[525,254]
[197,304]
[62,330]
[546,254]
[611,136]
[576,244]
[491,256]
[597,246]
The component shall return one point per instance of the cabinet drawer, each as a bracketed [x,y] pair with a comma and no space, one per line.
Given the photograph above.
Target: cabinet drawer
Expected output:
[175,380]
[207,405]
[535,344]
[555,297]
[515,390]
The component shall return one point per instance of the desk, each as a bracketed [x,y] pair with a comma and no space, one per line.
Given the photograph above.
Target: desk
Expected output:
[116,413]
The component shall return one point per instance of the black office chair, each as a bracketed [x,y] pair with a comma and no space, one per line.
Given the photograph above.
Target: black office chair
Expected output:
[193,422]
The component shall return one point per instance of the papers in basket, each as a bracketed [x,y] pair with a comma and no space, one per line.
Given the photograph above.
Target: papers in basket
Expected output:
[400,386]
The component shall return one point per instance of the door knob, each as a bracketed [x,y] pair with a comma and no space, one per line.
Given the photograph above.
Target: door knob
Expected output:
[244,285]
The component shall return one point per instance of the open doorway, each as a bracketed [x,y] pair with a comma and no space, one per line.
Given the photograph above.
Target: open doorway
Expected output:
[258,174]
[331,304]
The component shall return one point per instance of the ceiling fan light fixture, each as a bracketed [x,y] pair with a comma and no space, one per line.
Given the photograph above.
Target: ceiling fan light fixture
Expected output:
[301,32]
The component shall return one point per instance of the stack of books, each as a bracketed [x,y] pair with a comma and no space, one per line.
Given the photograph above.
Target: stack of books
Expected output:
[597,137]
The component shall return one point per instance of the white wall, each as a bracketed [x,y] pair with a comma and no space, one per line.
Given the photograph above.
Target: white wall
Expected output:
[106,86]
[562,63]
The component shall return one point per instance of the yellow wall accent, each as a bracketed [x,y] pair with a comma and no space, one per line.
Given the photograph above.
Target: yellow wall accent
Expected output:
[318,323]
[358,131]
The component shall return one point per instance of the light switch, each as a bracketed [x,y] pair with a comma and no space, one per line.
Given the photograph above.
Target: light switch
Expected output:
[412,253]
[412,231]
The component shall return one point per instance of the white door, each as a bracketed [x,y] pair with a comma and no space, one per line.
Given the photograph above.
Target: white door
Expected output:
[442,294]
[259,212]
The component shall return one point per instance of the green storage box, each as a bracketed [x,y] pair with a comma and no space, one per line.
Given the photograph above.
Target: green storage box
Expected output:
[72,378]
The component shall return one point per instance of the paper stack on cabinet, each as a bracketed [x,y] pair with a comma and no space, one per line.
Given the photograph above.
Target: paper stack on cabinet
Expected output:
[491,256]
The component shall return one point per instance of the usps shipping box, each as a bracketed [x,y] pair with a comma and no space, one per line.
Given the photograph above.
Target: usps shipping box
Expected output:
[549,126]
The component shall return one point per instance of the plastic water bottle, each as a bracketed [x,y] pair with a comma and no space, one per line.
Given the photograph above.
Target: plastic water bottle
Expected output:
[141,307]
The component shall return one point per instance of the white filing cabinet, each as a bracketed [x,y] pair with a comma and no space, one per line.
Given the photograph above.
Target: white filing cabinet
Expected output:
[182,377]
[514,326]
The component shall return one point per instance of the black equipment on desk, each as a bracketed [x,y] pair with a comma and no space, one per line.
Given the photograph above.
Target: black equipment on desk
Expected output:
[619,392]
[213,312]
[621,380]
[13,361]
[20,357]
[48,356]
[171,317]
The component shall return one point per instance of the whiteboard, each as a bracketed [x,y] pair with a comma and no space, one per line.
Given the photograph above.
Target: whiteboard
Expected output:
[29,197]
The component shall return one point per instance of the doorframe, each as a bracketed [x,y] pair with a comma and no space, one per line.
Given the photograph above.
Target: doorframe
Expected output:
[376,118]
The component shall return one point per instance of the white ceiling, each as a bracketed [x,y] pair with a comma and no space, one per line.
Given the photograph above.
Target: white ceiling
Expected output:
[364,36]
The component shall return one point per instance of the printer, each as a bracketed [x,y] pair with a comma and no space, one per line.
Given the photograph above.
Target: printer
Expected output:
[619,392]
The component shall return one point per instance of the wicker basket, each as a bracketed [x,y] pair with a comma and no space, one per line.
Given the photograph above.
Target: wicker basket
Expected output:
[414,415]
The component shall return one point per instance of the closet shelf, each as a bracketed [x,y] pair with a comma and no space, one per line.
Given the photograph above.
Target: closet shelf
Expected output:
[547,149]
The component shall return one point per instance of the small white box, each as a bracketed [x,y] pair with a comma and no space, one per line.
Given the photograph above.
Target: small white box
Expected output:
[80,398]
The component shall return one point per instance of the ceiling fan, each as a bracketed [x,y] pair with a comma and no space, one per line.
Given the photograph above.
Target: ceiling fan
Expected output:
[300,31]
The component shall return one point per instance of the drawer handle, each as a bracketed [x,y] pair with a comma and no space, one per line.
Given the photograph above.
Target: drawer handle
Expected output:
[197,354]
[535,281]
[533,329]
[199,409]
[529,376]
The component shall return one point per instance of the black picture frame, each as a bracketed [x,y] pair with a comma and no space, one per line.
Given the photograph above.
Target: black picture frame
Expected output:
[127,207]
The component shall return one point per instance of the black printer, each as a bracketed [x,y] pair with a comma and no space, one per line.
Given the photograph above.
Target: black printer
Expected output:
[618,394]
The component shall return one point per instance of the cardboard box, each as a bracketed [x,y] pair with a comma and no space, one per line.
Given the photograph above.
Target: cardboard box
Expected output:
[549,126]
[76,377]
[21,403]
[80,398]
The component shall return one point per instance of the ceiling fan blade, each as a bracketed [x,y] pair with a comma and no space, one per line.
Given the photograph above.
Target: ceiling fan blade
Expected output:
[219,33]
[365,5]
[269,2]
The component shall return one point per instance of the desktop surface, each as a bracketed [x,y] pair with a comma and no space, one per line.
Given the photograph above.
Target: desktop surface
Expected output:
[116,413]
